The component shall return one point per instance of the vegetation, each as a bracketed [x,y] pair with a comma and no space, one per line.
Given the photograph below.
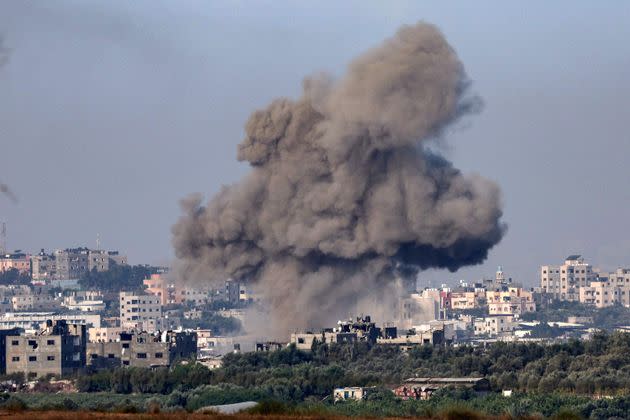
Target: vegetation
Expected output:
[600,366]
[117,278]
[13,276]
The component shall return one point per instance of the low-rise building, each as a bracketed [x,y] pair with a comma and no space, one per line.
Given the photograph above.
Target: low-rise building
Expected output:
[58,350]
[423,388]
[355,393]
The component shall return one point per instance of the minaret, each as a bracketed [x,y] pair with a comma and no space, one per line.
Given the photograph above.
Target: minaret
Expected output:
[500,277]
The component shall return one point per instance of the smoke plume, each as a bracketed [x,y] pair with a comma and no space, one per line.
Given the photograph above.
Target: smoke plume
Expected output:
[344,196]
[4,188]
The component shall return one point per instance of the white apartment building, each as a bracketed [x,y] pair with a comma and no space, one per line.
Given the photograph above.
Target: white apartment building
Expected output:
[139,311]
[600,294]
[494,325]
[563,282]
[610,289]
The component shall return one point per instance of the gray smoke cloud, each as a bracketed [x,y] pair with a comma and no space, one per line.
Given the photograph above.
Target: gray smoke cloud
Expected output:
[4,189]
[344,195]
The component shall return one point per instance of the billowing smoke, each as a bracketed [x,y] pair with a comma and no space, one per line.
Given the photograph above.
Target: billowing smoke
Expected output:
[4,189]
[344,195]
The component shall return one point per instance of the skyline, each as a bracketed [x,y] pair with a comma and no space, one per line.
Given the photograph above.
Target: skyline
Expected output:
[164,120]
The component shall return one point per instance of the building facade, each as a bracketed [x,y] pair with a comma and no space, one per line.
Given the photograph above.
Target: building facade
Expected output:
[563,282]
[139,311]
[59,350]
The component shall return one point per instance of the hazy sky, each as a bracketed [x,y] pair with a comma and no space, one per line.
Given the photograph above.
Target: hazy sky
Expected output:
[112,111]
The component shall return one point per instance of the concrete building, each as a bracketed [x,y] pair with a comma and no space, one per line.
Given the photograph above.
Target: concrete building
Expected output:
[143,349]
[563,282]
[170,293]
[4,336]
[498,325]
[84,301]
[58,350]
[510,301]
[15,261]
[72,263]
[104,334]
[44,267]
[140,311]
[34,302]
[34,320]
[351,331]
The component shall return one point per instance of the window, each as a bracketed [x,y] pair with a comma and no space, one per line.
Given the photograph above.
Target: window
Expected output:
[111,356]
[125,345]
[32,358]
[15,359]
[32,342]
[15,343]
[159,355]
[126,362]
[94,356]
[141,355]
[50,342]
[50,358]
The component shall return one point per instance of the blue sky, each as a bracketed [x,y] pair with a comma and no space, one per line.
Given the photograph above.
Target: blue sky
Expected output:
[112,111]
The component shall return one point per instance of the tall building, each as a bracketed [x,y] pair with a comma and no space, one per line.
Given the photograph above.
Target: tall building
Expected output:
[43,267]
[139,311]
[563,282]
[72,263]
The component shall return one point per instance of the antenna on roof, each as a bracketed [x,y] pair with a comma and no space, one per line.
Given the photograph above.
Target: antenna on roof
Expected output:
[98,242]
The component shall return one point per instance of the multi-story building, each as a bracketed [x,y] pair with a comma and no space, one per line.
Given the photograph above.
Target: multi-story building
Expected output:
[463,300]
[600,294]
[171,293]
[44,267]
[139,311]
[510,301]
[620,279]
[72,263]
[497,325]
[4,336]
[33,320]
[15,261]
[142,349]
[59,350]
[563,282]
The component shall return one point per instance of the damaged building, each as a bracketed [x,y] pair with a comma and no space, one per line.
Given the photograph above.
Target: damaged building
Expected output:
[59,350]
[143,349]
[362,329]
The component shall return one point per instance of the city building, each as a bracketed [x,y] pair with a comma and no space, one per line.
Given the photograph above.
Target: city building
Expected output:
[143,349]
[44,267]
[140,311]
[34,320]
[355,393]
[351,331]
[15,261]
[563,282]
[58,350]
[423,388]
[497,325]
[510,301]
